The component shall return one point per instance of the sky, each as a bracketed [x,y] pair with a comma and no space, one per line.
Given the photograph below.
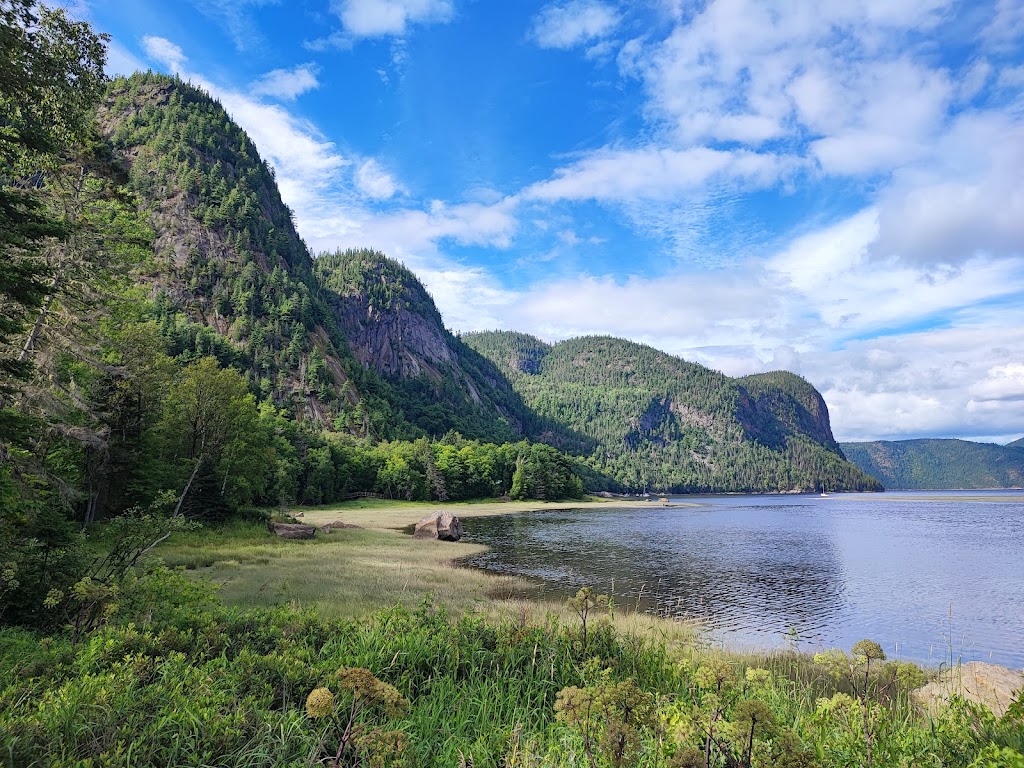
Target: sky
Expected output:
[832,187]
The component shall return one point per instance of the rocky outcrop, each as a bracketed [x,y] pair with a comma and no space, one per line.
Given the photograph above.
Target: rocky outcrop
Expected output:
[441,525]
[293,530]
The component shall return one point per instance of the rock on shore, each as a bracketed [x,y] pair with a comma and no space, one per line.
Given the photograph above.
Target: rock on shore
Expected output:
[988,684]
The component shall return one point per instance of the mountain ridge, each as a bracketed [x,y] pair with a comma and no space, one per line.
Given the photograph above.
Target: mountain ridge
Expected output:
[662,422]
[352,341]
[939,463]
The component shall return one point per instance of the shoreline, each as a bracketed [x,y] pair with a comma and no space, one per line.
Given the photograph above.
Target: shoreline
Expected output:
[355,572]
[384,515]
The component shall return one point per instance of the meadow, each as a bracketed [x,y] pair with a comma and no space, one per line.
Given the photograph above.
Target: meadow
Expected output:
[365,647]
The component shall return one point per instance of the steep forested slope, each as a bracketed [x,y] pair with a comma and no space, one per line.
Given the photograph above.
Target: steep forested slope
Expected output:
[929,464]
[660,422]
[394,328]
[229,276]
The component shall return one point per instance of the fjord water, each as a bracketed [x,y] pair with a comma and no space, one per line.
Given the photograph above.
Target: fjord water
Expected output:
[935,577]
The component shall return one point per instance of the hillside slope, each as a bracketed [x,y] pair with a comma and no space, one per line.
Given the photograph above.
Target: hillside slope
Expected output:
[230,276]
[659,422]
[394,328]
[931,464]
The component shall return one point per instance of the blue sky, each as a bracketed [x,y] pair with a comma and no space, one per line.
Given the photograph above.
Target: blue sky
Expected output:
[830,187]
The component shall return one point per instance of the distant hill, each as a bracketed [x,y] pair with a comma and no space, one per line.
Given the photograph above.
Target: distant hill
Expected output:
[932,464]
[662,423]
[1018,444]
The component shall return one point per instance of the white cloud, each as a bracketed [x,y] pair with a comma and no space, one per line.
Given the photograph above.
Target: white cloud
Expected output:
[1007,25]
[1002,382]
[373,181]
[121,61]
[967,200]
[654,173]
[235,16]
[163,51]
[378,18]
[286,84]
[1011,77]
[576,22]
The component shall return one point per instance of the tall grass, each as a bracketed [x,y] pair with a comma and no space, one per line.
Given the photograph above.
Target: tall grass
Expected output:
[196,684]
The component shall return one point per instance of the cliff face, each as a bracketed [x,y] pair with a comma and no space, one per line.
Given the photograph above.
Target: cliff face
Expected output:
[229,275]
[394,328]
[389,319]
[783,403]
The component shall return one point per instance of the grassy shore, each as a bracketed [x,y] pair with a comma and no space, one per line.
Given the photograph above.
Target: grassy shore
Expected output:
[317,661]
[352,572]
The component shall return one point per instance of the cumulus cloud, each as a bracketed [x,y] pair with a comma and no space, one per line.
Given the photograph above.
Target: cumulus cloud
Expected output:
[967,201]
[1001,382]
[576,22]
[373,181]
[655,173]
[286,84]
[379,18]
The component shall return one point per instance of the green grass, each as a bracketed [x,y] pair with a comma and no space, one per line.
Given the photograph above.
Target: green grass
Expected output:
[176,677]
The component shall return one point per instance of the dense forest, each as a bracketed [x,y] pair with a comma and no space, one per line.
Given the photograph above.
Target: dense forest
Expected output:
[931,464]
[652,421]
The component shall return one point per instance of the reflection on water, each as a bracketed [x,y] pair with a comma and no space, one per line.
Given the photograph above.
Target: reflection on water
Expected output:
[929,578]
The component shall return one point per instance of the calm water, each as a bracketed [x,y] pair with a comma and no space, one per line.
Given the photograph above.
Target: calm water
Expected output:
[926,577]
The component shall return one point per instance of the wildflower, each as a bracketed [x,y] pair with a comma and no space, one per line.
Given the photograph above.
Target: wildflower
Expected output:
[319,703]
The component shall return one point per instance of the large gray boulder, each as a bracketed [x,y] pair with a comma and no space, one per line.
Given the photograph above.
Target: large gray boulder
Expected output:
[441,525]
[293,530]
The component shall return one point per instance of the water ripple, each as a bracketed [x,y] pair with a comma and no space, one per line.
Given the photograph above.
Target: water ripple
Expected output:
[929,579]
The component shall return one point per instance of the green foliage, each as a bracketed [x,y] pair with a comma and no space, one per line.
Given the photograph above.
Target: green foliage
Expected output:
[174,679]
[930,464]
[648,421]
[214,452]
[231,277]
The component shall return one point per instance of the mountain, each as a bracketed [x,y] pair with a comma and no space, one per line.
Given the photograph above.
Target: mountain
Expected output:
[932,464]
[351,341]
[656,421]
[394,328]
[229,276]
[1017,444]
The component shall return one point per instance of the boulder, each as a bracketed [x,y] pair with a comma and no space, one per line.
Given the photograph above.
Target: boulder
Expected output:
[988,684]
[441,525]
[337,525]
[293,530]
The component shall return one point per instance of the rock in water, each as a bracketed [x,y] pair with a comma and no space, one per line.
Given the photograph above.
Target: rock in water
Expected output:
[443,526]
[293,530]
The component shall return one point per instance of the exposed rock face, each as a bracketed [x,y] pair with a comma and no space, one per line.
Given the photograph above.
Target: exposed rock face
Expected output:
[395,341]
[443,526]
[293,530]
[988,684]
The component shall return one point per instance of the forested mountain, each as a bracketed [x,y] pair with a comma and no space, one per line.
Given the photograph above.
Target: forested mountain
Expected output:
[1018,444]
[930,464]
[394,328]
[658,422]
[229,275]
